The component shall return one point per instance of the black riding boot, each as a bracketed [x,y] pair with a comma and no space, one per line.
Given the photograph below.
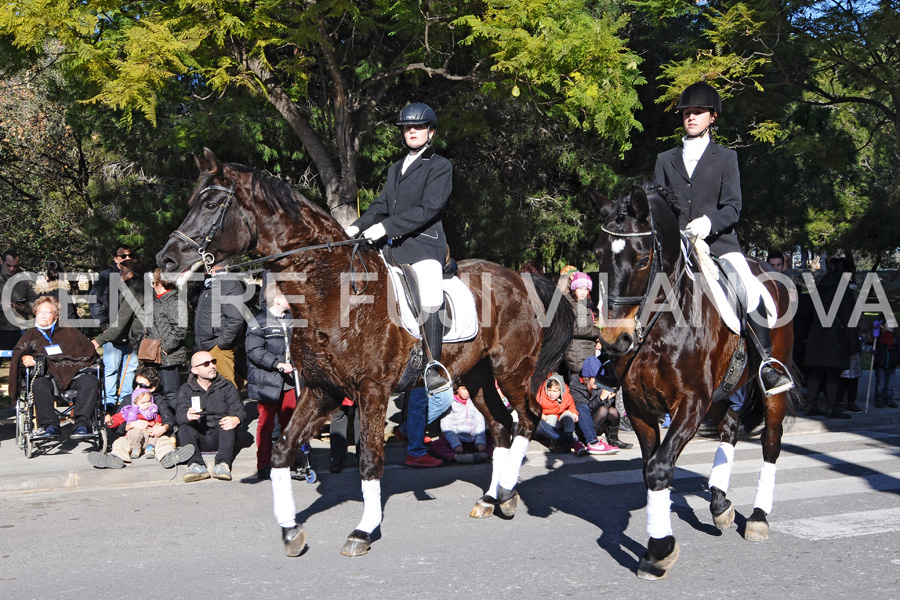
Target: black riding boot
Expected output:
[434,337]
[612,438]
[773,381]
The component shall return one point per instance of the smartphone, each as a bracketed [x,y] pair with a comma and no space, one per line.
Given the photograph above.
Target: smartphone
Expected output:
[195,403]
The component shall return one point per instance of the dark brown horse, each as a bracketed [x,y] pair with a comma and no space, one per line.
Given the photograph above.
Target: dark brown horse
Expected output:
[352,348]
[675,360]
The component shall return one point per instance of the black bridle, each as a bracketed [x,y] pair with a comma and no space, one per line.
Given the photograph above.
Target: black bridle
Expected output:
[217,222]
[655,267]
[640,331]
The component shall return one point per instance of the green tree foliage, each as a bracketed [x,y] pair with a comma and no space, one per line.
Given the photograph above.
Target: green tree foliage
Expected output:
[330,68]
[568,58]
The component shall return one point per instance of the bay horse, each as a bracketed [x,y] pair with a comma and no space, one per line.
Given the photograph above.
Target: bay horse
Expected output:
[351,347]
[667,365]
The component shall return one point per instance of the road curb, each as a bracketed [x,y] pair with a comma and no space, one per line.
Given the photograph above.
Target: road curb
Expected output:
[71,469]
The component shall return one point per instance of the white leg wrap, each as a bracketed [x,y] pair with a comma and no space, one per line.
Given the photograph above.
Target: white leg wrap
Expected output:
[721,470]
[765,488]
[659,517]
[283,494]
[499,459]
[509,477]
[371,506]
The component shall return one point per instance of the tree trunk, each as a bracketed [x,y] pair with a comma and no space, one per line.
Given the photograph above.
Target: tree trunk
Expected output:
[339,185]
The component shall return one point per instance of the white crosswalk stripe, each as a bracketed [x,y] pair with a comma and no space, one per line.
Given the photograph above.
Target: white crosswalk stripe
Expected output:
[748,466]
[841,526]
[816,477]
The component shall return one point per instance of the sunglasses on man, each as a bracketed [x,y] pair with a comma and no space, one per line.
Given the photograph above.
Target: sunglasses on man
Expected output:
[206,363]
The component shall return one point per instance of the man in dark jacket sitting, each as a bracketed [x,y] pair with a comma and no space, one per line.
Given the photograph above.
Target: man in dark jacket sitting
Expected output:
[208,413]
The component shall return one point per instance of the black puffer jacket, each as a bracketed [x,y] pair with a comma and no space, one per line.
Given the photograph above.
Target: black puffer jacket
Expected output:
[170,328]
[266,344]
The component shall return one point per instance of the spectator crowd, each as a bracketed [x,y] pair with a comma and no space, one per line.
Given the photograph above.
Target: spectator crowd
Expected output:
[208,357]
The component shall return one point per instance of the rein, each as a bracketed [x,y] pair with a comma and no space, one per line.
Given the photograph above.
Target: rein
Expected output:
[219,219]
[356,242]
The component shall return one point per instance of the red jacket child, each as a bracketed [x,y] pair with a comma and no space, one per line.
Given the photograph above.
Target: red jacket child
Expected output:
[554,396]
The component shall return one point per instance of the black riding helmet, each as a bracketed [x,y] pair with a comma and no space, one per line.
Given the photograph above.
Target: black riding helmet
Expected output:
[700,95]
[417,114]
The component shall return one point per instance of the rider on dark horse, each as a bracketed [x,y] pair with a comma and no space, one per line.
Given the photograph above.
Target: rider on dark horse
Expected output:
[706,182]
[408,213]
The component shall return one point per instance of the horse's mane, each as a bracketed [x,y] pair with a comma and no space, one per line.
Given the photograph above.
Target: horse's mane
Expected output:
[279,195]
[667,195]
[623,209]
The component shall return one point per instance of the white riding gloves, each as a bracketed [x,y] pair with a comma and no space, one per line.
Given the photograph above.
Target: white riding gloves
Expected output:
[699,229]
[375,232]
[352,231]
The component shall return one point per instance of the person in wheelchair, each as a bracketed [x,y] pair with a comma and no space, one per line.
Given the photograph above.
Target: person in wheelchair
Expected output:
[59,354]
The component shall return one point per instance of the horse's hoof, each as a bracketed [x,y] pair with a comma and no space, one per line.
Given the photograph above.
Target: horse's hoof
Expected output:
[757,528]
[652,568]
[294,539]
[357,544]
[508,501]
[721,508]
[484,507]
[725,519]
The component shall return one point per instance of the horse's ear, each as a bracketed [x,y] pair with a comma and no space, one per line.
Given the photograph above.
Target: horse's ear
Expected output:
[208,163]
[202,165]
[602,205]
[640,204]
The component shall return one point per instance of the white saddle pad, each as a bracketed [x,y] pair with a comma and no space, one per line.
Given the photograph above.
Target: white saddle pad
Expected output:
[711,276]
[458,299]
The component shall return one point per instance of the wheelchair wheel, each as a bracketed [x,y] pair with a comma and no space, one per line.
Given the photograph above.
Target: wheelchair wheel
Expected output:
[21,420]
[102,440]
[28,447]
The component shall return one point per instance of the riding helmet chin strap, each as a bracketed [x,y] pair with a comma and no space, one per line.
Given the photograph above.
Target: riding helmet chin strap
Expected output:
[699,135]
[423,146]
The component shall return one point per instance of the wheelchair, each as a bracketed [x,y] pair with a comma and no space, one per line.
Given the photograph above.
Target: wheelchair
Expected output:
[63,404]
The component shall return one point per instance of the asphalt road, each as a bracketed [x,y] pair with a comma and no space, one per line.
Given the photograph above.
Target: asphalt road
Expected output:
[579,532]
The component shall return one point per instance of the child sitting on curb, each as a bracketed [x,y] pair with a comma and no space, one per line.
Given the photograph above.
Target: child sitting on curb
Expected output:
[558,414]
[140,418]
[463,432]
[595,402]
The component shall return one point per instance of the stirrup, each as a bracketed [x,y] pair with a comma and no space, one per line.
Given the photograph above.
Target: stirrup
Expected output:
[782,371]
[442,387]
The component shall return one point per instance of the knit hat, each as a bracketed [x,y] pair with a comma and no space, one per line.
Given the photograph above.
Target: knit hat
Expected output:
[567,269]
[136,393]
[581,280]
[592,367]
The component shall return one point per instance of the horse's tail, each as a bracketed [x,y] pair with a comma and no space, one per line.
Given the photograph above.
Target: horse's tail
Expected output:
[754,410]
[557,334]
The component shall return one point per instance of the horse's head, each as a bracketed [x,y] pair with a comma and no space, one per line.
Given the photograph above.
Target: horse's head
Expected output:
[639,239]
[216,227]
